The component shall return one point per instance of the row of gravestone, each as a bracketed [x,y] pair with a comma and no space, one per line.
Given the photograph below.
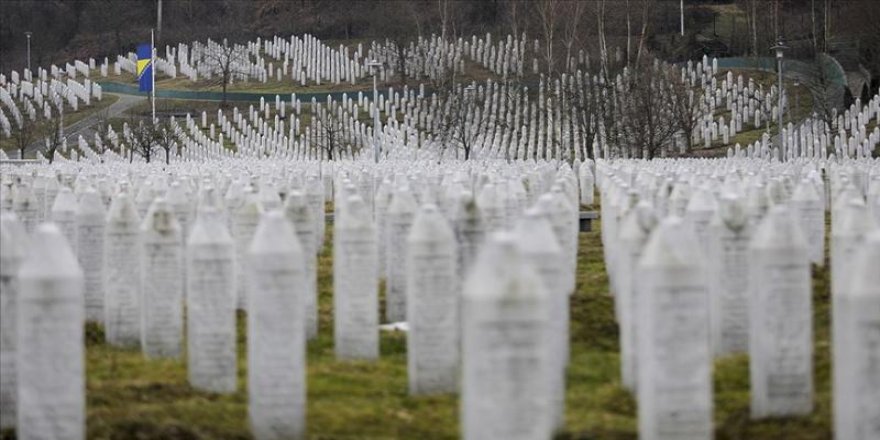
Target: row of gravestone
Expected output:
[712,258]
[147,271]
[728,218]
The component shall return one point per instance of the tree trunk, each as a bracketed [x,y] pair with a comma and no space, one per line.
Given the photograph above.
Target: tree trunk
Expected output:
[752,24]
[628,33]
[225,84]
[827,28]
[813,29]
[644,32]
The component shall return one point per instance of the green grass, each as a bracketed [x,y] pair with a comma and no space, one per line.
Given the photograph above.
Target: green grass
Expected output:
[286,85]
[801,107]
[129,397]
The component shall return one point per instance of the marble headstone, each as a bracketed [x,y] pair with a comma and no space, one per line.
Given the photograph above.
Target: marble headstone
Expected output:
[432,305]
[276,331]
[50,348]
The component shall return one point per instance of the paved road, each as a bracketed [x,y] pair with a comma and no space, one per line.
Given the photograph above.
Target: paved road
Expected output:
[86,126]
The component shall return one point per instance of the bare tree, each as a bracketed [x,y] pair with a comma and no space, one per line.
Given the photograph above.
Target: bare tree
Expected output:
[166,138]
[548,15]
[573,14]
[53,134]
[227,62]
[825,93]
[463,121]
[141,139]
[751,9]
[582,98]
[686,106]
[444,13]
[644,115]
[514,16]
[331,133]
[603,45]
[647,9]
[28,131]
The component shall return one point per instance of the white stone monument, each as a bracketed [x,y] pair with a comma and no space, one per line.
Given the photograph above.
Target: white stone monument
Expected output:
[355,284]
[401,213]
[857,348]
[635,229]
[122,301]
[729,236]
[538,246]
[675,359]
[63,214]
[244,224]
[505,391]
[780,318]
[210,304]
[276,331]
[161,282]
[13,248]
[50,348]
[90,229]
[432,305]
[299,214]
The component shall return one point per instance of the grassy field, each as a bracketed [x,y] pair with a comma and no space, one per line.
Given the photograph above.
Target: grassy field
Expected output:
[286,85]
[129,397]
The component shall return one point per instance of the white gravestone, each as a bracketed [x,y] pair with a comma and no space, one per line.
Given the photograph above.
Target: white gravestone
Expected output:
[432,305]
[355,296]
[90,228]
[467,222]
[315,195]
[210,304]
[780,318]
[857,351]
[244,224]
[675,360]
[699,213]
[380,206]
[13,247]
[26,206]
[299,214]
[635,229]
[565,226]
[276,331]
[52,188]
[122,311]
[729,235]
[401,213]
[505,391]
[539,248]
[50,356]
[161,282]
[853,223]
[807,203]
[63,214]
[849,236]
[586,184]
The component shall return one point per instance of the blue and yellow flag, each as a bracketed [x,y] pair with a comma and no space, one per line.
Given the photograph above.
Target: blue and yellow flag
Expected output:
[145,67]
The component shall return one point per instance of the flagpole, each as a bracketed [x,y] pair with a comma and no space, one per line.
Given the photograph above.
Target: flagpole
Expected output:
[153,72]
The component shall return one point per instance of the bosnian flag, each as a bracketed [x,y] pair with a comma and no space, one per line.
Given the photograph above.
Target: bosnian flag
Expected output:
[145,67]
